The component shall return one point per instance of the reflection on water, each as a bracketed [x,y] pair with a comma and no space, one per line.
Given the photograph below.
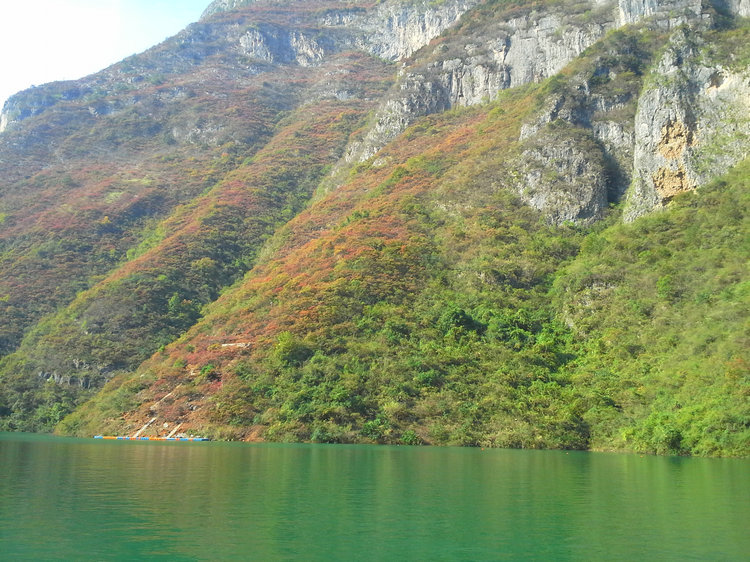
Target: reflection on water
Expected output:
[85,499]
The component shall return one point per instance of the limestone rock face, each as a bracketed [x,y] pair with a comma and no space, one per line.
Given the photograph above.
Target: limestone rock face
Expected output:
[504,52]
[391,30]
[277,45]
[735,7]
[563,177]
[672,12]
[394,29]
[669,148]
[223,6]
[578,154]
[692,123]
[470,68]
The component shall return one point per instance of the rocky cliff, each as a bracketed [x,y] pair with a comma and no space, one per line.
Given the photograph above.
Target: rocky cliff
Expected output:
[511,49]
[692,123]
[285,33]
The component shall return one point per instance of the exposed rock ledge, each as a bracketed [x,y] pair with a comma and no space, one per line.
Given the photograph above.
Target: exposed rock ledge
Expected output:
[692,124]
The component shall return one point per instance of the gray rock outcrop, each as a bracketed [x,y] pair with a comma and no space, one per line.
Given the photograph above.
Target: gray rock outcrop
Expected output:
[692,124]
[218,6]
[660,151]
[562,176]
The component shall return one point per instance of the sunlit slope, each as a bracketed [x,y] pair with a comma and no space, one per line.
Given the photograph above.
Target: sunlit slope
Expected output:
[407,305]
[421,302]
[622,356]
[367,311]
[183,262]
[98,171]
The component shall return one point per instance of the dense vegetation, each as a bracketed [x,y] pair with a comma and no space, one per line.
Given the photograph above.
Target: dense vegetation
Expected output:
[659,311]
[219,277]
[461,318]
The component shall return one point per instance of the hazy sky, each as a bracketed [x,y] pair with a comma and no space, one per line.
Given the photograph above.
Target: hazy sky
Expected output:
[46,40]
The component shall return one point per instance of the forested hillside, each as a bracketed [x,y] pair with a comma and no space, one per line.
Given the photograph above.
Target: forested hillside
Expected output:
[500,224]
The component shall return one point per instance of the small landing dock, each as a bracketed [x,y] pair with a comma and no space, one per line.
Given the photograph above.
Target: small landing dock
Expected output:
[134,438]
[173,435]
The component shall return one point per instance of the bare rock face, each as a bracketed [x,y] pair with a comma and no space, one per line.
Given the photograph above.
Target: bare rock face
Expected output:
[274,44]
[672,12]
[563,174]
[223,6]
[735,7]
[470,68]
[395,29]
[523,50]
[474,66]
[669,148]
[390,30]
[691,121]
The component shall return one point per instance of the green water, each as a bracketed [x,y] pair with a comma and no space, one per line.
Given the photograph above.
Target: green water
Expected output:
[94,500]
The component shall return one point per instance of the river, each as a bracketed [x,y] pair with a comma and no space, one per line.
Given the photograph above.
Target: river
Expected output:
[81,499]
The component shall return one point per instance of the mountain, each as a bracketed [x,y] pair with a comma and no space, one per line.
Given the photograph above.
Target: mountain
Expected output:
[499,223]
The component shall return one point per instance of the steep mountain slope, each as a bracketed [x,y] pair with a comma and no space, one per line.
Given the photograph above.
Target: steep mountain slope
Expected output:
[397,253]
